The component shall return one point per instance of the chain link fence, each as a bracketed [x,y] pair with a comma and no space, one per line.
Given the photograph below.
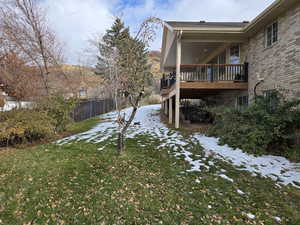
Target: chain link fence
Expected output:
[91,108]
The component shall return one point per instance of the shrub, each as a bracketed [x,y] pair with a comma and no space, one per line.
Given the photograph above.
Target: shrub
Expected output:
[269,125]
[58,109]
[197,112]
[47,117]
[24,125]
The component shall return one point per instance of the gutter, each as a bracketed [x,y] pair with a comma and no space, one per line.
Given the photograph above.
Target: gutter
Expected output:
[170,28]
[262,15]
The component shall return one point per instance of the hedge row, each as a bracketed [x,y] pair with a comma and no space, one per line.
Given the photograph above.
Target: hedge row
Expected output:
[48,117]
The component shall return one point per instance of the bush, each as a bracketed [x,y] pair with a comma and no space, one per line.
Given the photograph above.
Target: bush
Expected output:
[44,120]
[267,126]
[58,109]
[197,113]
[24,125]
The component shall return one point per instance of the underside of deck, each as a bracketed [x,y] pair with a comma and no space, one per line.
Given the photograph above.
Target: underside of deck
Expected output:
[196,90]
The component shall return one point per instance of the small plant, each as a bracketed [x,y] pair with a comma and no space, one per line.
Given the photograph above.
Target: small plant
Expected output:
[269,125]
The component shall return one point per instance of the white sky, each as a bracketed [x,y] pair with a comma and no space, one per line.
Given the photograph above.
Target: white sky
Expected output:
[76,21]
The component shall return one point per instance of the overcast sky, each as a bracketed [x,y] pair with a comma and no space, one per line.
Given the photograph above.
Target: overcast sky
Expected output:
[76,21]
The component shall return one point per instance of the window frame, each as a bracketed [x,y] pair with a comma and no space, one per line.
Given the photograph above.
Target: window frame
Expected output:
[244,100]
[239,55]
[271,37]
[82,93]
[272,102]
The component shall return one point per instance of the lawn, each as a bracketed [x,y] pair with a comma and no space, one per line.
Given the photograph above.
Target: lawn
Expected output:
[86,182]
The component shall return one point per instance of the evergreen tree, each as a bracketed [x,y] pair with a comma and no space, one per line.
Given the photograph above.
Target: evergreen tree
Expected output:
[113,39]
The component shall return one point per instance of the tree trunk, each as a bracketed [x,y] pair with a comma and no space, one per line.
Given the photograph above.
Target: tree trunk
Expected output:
[121,142]
[122,132]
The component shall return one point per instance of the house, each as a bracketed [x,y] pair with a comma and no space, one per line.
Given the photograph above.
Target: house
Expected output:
[229,62]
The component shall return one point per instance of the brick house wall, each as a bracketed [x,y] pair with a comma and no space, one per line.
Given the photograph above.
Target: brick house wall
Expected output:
[225,98]
[279,64]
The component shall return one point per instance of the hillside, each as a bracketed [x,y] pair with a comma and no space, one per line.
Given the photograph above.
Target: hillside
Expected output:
[154,60]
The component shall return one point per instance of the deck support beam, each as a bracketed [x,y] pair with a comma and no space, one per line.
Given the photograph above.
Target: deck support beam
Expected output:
[166,107]
[170,110]
[177,88]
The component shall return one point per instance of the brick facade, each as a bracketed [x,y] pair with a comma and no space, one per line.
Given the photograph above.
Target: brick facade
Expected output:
[279,64]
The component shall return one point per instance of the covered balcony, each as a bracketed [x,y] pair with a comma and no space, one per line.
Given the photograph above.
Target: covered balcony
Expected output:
[204,61]
[199,79]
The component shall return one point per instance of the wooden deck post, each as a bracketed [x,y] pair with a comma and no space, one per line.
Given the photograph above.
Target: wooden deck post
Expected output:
[166,107]
[177,96]
[171,110]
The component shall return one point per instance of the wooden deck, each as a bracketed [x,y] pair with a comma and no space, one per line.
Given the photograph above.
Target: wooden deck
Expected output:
[197,89]
[221,85]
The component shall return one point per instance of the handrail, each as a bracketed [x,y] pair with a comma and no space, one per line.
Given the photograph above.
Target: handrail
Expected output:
[208,73]
[199,65]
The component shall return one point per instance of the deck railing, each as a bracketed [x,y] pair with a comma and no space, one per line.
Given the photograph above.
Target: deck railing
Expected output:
[209,73]
[167,81]
[215,72]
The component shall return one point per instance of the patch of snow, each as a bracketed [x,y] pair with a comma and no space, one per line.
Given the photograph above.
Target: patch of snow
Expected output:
[101,148]
[250,216]
[277,168]
[211,163]
[277,219]
[226,178]
[240,192]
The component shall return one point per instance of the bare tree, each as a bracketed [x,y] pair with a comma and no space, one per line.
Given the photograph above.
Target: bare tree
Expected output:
[17,79]
[24,29]
[123,62]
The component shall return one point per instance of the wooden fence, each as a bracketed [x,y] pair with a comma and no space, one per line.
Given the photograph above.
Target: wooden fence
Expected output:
[91,108]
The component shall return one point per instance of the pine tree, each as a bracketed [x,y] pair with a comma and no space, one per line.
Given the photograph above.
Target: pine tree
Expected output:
[113,39]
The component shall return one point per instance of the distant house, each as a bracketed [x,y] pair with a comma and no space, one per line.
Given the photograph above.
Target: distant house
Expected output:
[8,103]
[225,62]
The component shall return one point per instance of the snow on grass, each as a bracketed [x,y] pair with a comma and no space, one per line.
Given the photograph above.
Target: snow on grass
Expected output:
[240,192]
[226,177]
[250,216]
[277,168]
[277,219]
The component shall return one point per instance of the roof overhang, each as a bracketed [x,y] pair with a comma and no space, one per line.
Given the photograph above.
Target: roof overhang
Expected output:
[268,15]
[220,32]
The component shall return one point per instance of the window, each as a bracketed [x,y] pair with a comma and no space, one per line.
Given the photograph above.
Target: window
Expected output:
[272,99]
[271,34]
[235,54]
[82,93]
[242,102]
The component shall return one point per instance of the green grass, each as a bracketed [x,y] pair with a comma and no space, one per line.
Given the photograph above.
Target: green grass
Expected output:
[77,184]
[293,154]
[82,126]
